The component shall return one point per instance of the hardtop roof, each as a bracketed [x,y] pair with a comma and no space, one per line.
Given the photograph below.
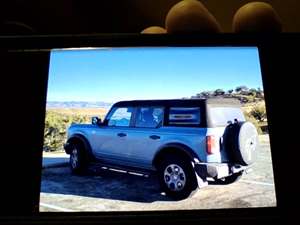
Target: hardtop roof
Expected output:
[179,102]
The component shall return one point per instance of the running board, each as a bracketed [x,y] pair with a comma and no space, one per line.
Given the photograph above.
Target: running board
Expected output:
[239,168]
[120,169]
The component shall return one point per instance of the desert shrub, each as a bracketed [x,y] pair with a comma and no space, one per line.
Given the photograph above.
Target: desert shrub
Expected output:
[252,91]
[259,113]
[230,91]
[251,98]
[219,92]
[55,130]
[251,119]
[242,99]
[241,88]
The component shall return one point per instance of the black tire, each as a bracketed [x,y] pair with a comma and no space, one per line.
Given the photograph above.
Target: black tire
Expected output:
[241,143]
[230,179]
[183,170]
[78,160]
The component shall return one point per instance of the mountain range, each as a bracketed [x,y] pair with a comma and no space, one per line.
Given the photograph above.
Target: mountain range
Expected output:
[77,104]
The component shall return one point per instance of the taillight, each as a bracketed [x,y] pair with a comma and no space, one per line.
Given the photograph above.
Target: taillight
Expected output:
[211,146]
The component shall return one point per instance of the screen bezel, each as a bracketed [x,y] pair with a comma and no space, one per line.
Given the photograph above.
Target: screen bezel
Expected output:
[270,48]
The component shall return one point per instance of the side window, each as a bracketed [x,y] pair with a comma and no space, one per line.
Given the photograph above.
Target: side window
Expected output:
[150,117]
[184,116]
[120,117]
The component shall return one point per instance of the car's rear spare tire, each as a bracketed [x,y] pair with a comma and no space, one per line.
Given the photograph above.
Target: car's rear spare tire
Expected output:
[241,143]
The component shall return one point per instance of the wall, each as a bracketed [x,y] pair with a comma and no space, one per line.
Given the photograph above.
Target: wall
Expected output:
[79,16]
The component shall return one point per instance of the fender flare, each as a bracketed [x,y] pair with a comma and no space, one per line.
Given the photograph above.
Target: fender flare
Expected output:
[83,140]
[180,147]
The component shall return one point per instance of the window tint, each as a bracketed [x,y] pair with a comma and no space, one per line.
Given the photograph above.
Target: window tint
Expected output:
[221,115]
[151,117]
[184,116]
[120,117]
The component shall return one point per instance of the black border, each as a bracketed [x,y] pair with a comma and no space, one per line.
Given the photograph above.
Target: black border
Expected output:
[20,199]
[48,42]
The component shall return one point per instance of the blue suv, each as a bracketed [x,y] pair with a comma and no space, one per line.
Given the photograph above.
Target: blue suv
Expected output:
[184,141]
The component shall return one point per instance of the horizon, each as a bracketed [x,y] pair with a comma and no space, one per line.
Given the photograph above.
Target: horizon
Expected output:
[99,101]
[114,74]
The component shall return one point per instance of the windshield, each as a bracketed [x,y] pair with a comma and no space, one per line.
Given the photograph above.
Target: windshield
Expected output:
[220,116]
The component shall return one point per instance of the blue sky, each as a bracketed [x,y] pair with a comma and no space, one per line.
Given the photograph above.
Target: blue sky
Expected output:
[113,74]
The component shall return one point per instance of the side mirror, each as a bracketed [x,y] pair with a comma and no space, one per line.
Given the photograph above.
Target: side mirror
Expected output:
[96,120]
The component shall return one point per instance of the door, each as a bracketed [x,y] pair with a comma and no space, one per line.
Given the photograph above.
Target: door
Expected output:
[110,141]
[145,138]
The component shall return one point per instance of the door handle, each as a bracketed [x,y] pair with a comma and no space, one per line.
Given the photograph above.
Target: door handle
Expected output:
[154,137]
[122,134]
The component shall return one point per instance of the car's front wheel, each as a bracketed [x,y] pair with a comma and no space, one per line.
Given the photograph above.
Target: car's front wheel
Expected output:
[78,162]
[177,177]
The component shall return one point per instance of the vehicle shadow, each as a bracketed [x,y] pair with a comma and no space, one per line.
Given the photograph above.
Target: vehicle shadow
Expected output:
[49,162]
[98,183]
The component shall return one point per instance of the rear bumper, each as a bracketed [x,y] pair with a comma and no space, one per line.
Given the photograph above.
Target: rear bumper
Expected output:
[217,170]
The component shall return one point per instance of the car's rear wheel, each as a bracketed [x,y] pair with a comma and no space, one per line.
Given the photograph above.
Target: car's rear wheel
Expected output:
[78,161]
[177,177]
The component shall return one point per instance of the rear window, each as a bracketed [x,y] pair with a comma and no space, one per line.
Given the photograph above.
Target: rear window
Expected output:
[220,116]
[184,116]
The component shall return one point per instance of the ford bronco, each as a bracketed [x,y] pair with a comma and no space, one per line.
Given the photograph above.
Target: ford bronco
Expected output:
[185,142]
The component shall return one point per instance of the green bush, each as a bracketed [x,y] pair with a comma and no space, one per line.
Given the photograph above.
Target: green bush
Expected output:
[55,131]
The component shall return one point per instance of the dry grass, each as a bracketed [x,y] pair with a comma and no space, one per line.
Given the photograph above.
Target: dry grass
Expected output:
[249,106]
[101,112]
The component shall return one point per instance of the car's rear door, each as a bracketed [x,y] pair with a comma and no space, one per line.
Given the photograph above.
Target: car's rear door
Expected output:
[145,138]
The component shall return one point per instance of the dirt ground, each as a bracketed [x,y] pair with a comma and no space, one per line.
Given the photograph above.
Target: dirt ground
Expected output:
[111,191]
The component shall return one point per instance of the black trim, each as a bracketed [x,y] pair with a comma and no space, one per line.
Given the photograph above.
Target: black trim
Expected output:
[132,117]
[178,146]
[161,103]
[166,116]
[29,55]
[67,147]
[48,42]
[85,142]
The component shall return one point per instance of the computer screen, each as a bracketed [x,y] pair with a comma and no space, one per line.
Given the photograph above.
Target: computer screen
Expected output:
[155,129]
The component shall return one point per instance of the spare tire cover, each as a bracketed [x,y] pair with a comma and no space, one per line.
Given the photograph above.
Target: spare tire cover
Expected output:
[248,143]
[241,142]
